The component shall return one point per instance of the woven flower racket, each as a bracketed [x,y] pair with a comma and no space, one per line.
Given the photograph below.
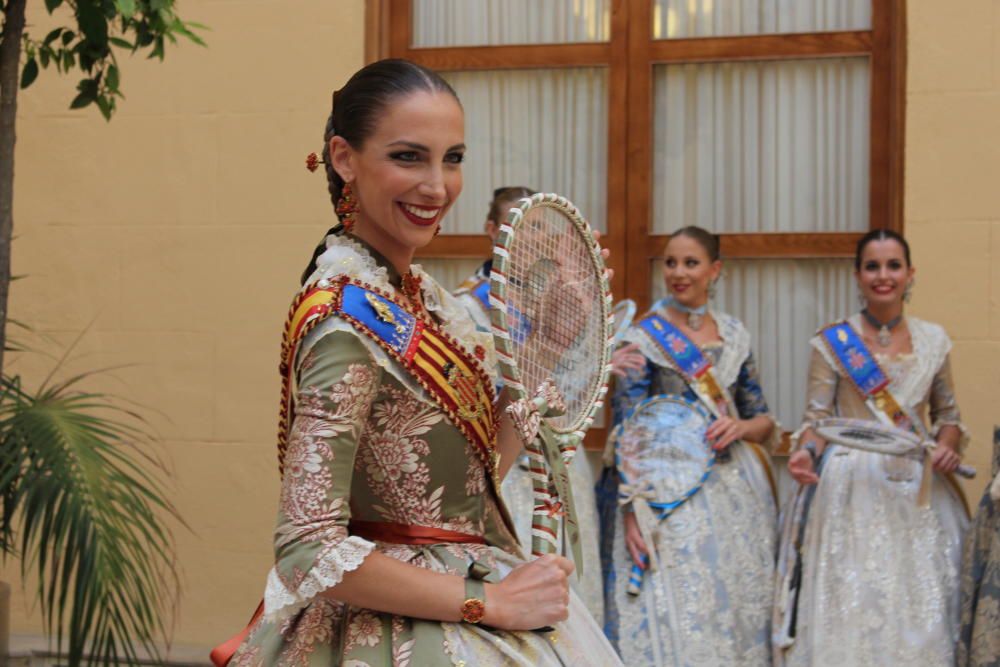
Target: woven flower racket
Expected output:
[552,324]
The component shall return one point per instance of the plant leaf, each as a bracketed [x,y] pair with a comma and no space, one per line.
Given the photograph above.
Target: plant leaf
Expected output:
[29,73]
[81,100]
[125,7]
[90,518]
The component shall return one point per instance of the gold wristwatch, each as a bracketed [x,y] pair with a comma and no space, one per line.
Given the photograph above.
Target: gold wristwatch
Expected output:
[474,607]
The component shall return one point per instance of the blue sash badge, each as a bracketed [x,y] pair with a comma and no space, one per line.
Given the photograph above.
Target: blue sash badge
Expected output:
[385,319]
[855,358]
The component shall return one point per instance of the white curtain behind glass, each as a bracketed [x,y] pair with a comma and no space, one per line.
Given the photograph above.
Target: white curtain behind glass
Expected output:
[715,18]
[782,303]
[497,22]
[776,146]
[546,129]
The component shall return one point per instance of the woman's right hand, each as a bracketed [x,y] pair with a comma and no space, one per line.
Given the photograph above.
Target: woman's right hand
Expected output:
[532,596]
[633,540]
[800,465]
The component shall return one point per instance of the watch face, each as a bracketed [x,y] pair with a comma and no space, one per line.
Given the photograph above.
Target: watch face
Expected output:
[473,610]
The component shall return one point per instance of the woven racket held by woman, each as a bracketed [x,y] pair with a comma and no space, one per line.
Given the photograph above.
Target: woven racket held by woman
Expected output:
[880,438]
[663,459]
[552,325]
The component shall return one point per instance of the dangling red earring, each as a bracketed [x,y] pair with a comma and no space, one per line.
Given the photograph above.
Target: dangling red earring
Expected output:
[347,207]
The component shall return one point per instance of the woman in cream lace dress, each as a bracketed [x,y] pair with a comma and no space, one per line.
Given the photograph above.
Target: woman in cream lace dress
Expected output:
[879,572]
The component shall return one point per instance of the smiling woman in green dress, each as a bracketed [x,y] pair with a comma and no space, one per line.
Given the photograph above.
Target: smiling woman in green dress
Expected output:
[392,546]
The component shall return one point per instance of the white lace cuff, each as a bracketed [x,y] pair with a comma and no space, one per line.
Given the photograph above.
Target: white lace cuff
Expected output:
[963,440]
[281,603]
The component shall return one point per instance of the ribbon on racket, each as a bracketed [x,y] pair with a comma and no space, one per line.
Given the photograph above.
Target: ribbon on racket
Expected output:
[545,453]
[640,496]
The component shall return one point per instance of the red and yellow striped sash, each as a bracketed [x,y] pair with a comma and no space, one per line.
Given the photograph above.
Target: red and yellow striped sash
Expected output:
[454,379]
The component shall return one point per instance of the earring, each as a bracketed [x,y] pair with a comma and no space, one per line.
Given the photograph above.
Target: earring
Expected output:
[908,290]
[713,289]
[347,207]
[862,301]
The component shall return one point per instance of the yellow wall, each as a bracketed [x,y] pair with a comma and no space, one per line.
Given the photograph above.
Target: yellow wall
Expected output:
[176,233]
[952,203]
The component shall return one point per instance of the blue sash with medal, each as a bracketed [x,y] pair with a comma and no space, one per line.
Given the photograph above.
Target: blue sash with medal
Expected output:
[688,360]
[858,364]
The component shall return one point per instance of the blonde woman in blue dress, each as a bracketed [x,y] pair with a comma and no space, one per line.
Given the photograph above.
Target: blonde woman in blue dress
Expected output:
[709,601]
[473,293]
[879,570]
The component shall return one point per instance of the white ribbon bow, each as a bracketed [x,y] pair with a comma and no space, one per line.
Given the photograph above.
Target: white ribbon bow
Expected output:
[649,525]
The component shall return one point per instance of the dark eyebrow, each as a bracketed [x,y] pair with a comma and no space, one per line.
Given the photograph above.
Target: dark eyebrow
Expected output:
[420,147]
[409,144]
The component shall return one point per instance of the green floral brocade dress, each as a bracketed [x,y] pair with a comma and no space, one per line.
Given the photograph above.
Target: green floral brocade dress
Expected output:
[368,444]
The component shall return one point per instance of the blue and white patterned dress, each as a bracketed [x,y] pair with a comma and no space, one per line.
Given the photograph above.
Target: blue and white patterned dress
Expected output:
[710,601]
[979,635]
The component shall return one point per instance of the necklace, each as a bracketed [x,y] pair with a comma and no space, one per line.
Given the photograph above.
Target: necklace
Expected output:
[695,316]
[884,336]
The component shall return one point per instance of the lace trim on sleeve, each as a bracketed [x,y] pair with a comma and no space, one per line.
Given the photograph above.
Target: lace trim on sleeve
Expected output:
[281,602]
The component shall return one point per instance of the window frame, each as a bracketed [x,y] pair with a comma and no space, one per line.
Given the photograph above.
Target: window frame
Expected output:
[630,54]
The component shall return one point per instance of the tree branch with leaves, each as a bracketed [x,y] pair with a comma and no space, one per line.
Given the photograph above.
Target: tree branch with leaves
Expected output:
[80,500]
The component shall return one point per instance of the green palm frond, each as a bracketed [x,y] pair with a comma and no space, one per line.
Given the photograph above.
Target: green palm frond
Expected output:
[85,511]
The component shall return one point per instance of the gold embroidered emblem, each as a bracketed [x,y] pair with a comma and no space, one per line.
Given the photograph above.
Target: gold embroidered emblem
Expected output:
[841,335]
[383,311]
[468,393]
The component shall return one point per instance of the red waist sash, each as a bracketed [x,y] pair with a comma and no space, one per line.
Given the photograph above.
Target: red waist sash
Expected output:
[399,533]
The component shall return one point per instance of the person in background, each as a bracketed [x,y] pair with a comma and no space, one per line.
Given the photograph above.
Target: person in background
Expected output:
[979,635]
[709,600]
[873,571]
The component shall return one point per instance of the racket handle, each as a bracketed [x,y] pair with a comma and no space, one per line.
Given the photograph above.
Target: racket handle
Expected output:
[968,472]
[635,577]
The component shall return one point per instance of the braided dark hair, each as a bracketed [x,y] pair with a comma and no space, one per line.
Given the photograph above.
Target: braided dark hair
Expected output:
[704,238]
[356,109]
[880,235]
